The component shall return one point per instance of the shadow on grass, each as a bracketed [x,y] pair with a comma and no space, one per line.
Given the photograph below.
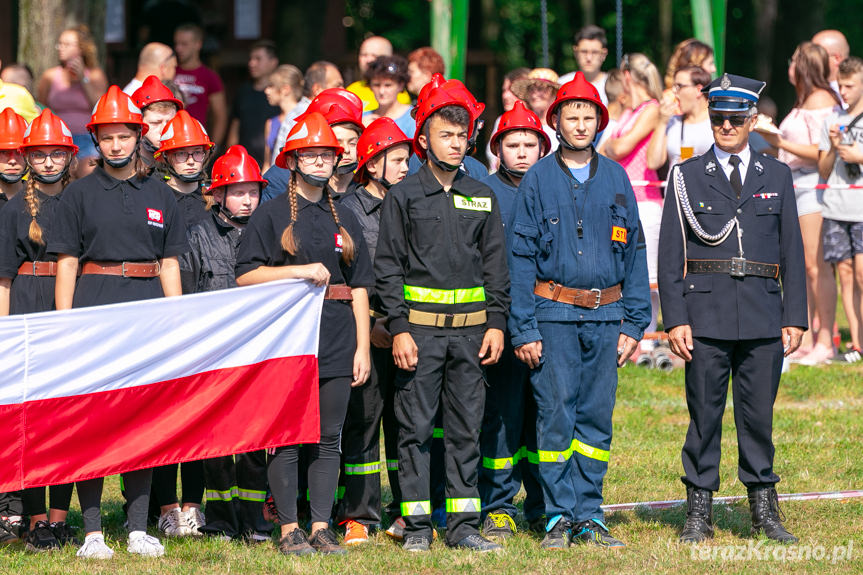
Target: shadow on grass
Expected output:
[733,518]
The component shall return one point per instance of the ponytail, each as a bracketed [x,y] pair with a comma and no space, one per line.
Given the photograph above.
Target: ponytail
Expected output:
[347,241]
[289,241]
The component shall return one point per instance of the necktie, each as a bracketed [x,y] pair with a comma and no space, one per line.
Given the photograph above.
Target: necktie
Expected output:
[736,181]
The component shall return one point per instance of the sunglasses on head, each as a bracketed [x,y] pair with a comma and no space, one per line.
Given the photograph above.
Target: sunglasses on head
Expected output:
[735,120]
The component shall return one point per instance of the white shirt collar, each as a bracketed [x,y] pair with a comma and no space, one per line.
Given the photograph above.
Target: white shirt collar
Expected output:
[723,157]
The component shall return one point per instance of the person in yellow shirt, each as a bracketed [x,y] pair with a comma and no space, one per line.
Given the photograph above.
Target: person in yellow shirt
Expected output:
[370,49]
[19,99]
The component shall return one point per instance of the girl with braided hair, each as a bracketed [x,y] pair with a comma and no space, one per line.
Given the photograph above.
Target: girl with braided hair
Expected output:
[27,274]
[301,234]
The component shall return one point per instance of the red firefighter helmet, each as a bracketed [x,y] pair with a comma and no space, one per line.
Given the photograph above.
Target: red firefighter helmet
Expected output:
[182,131]
[236,166]
[436,81]
[579,89]
[46,129]
[12,128]
[381,135]
[519,118]
[475,108]
[152,91]
[337,107]
[311,131]
[438,98]
[115,107]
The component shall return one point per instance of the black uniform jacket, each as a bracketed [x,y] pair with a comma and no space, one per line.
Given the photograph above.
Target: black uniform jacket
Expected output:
[430,238]
[717,305]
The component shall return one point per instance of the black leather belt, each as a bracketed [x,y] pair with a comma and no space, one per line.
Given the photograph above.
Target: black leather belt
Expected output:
[737,267]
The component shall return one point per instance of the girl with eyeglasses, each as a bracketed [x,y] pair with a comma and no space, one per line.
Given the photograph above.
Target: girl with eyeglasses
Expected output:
[302,234]
[27,278]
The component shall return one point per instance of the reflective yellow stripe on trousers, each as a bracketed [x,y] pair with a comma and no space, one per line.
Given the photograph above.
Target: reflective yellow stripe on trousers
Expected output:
[444,296]
[463,505]
[576,447]
[362,468]
[416,508]
[509,462]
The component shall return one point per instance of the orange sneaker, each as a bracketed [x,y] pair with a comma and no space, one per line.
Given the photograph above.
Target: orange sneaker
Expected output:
[355,533]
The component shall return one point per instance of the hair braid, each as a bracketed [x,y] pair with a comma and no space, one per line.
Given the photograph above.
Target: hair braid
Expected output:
[32,200]
[289,241]
[347,241]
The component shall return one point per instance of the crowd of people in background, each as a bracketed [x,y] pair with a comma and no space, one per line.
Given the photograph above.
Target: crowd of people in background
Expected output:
[332,153]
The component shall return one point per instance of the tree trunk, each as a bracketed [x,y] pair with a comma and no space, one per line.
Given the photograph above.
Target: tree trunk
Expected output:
[767,11]
[40,23]
[588,12]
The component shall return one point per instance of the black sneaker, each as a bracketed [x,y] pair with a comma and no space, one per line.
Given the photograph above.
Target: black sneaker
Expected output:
[476,542]
[296,543]
[324,541]
[10,530]
[594,532]
[557,535]
[499,525]
[416,543]
[65,533]
[41,538]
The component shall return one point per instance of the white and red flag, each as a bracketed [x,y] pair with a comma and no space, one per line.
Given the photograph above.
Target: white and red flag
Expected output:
[102,390]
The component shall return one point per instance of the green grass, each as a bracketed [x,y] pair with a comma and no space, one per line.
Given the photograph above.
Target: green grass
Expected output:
[818,425]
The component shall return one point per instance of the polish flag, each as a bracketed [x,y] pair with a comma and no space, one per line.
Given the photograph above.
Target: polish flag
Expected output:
[97,391]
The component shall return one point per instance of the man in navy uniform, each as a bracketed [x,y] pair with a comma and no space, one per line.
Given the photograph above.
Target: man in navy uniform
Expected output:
[733,292]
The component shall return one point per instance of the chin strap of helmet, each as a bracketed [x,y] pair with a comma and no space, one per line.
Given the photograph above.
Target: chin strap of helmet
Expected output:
[7,179]
[149,146]
[511,173]
[383,179]
[317,181]
[117,164]
[346,169]
[564,143]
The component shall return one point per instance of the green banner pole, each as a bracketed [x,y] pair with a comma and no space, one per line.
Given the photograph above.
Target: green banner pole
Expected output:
[719,24]
[449,34]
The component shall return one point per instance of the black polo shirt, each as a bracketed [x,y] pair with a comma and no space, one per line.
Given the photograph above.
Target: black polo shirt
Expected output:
[100,218]
[29,294]
[318,241]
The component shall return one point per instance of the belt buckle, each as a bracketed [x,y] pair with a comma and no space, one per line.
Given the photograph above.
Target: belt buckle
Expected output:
[34,268]
[448,319]
[123,269]
[598,293]
[738,267]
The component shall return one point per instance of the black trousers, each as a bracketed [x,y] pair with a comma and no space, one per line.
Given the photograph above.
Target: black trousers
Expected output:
[236,491]
[324,458]
[34,498]
[754,367]
[164,490]
[11,504]
[369,405]
[136,488]
[448,375]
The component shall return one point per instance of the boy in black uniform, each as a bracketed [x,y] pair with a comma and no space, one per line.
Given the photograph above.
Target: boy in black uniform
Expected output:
[442,279]
[236,484]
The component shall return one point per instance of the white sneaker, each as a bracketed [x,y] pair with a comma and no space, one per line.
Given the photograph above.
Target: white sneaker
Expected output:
[146,545]
[94,547]
[174,524]
[195,520]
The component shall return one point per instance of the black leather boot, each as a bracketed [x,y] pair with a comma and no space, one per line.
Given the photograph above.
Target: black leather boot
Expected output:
[699,516]
[764,507]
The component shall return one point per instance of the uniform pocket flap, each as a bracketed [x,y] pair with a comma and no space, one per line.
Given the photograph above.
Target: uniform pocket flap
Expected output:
[525,230]
[698,283]
[767,207]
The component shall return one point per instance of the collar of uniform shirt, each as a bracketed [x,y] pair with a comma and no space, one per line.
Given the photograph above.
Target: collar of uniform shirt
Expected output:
[369,202]
[430,183]
[108,181]
[724,156]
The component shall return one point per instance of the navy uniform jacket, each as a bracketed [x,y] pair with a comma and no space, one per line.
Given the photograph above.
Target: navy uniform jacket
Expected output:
[546,246]
[717,305]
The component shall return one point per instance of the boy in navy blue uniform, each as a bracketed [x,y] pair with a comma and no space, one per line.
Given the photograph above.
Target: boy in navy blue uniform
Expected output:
[580,303]
[733,291]
[508,438]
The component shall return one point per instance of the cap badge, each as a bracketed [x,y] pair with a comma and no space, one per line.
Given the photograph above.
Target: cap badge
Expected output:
[725,82]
